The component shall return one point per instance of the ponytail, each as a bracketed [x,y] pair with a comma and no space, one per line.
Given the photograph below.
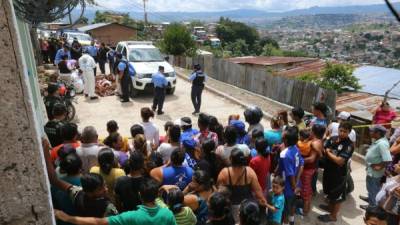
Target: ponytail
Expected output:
[106,160]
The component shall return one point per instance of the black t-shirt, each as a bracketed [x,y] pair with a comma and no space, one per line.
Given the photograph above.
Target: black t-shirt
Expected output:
[226,221]
[341,148]
[62,66]
[53,132]
[127,191]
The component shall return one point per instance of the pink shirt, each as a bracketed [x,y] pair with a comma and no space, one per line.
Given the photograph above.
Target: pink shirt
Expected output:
[383,117]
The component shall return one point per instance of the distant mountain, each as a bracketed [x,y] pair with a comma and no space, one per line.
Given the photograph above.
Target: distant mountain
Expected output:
[248,15]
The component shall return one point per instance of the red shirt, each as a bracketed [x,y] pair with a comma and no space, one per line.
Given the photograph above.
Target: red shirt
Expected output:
[54,151]
[383,117]
[261,166]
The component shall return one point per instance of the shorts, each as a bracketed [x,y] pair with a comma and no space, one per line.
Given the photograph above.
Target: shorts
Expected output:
[337,190]
[289,205]
[306,184]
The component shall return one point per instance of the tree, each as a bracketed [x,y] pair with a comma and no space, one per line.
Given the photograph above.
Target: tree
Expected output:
[338,77]
[177,41]
[238,48]
[113,17]
[84,20]
[230,31]
[271,50]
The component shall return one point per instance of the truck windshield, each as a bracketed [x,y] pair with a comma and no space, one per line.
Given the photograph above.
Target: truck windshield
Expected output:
[145,55]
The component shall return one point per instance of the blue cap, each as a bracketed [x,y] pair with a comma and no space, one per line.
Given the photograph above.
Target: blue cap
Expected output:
[239,125]
[189,143]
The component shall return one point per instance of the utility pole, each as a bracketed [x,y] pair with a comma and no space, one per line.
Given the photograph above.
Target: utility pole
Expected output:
[145,12]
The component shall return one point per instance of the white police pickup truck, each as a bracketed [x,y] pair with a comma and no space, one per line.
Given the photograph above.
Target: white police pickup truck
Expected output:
[145,59]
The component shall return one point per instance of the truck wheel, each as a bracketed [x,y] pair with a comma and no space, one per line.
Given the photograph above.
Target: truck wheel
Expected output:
[134,93]
[171,91]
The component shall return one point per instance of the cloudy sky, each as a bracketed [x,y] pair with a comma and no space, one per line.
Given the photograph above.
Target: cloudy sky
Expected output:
[219,5]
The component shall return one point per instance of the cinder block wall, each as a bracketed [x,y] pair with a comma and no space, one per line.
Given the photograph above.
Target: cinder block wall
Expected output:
[24,197]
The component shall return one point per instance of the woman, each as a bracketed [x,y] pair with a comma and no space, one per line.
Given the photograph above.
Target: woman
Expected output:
[151,159]
[108,169]
[197,194]
[183,215]
[217,128]
[210,162]
[115,141]
[219,210]
[224,151]
[241,180]
[249,213]
[151,131]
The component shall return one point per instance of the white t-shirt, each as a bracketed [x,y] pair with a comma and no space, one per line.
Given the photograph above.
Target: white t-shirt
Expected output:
[151,132]
[88,154]
[87,63]
[165,151]
[334,131]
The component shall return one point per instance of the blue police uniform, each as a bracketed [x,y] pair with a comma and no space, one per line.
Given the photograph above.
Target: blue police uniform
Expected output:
[160,85]
[125,79]
[198,78]
[60,54]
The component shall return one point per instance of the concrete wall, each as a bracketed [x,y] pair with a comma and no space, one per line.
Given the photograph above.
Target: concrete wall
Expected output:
[114,33]
[24,189]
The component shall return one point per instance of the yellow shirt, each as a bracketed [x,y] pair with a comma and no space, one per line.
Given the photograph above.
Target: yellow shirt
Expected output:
[125,143]
[110,179]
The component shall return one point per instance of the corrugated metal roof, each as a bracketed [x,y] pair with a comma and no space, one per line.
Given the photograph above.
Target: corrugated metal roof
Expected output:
[269,61]
[377,80]
[362,105]
[93,26]
[307,67]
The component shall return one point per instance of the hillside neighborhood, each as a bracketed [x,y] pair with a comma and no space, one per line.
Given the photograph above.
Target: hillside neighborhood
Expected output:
[200,113]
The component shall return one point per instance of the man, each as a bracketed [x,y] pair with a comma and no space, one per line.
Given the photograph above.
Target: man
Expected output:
[61,52]
[125,79]
[102,57]
[175,174]
[187,131]
[93,50]
[70,135]
[89,149]
[76,49]
[52,98]
[160,86]
[338,152]
[377,158]
[297,115]
[198,77]
[333,128]
[290,168]
[87,65]
[53,127]
[147,214]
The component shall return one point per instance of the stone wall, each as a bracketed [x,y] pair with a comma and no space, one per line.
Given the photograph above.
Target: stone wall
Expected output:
[24,190]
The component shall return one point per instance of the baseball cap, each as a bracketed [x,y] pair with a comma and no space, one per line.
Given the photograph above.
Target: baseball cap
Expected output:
[378,128]
[184,121]
[189,143]
[239,125]
[344,115]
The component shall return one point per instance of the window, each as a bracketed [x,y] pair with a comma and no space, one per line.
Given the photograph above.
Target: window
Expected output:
[119,48]
[124,53]
[145,55]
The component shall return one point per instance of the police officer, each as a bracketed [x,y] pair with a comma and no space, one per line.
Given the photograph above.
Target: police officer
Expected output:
[160,86]
[93,51]
[198,77]
[125,79]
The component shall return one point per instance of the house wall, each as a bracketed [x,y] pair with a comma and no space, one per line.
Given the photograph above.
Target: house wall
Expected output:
[113,34]
[24,188]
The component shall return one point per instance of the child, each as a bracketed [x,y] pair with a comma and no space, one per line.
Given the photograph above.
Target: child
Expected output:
[90,200]
[183,215]
[304,144]
[255,134]
[277,200]
[375,216]
[261,163]
[116,143]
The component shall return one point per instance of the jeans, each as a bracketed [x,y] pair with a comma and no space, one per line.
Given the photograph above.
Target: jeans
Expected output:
[373,187]
[196,97]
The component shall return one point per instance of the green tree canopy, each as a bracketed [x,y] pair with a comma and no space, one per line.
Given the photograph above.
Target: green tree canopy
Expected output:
[339,77]
[230,31]
[238,48]
[177,41]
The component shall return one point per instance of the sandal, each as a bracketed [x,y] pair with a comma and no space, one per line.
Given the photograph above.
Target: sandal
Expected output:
[325,218]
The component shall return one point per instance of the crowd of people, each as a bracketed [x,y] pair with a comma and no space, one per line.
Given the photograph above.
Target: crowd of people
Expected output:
[219,173]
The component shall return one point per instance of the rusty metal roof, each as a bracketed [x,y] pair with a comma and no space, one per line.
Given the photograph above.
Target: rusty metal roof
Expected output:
[362,105]
[306,67]
[269,61]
